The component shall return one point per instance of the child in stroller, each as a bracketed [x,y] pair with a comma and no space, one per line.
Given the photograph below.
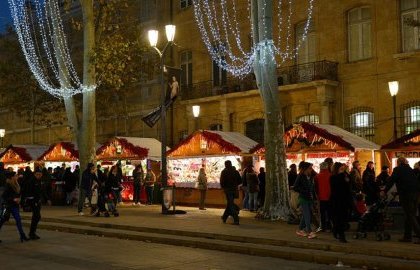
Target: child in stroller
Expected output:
[373,221]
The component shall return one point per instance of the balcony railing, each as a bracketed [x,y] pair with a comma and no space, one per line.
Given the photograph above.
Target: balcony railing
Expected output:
[308,72]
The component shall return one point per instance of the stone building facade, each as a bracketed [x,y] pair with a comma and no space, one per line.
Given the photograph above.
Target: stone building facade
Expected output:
[340,77]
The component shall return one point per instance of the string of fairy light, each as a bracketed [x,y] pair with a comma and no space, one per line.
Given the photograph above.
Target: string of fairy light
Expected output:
[40,22]
[220,32]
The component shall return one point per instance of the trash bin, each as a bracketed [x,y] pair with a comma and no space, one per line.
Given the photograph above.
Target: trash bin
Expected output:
[58,194]
[168,197]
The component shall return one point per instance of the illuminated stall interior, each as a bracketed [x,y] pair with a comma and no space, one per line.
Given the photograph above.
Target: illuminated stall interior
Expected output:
[315,142]
[407,146]
[21,156]
[130,151]
[208,149]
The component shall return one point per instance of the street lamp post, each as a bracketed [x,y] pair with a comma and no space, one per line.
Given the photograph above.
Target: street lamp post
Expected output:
[196,114]
[2,133]
[393,90]
[153,39]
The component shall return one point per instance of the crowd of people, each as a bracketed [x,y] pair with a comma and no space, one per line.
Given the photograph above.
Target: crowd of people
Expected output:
[336,195]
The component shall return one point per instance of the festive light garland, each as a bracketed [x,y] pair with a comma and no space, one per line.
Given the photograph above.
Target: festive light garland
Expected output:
[41,19]
[219,26]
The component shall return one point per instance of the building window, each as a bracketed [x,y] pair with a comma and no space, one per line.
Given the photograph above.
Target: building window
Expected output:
[410,12]
[186,3]
[217,127]
[359,34]
[254,129]
[360,121]
[411,114]
[186,66]
[307,47]
[310,118]
[147,10]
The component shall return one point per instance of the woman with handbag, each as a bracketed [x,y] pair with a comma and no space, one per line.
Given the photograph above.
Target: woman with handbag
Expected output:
[11,199]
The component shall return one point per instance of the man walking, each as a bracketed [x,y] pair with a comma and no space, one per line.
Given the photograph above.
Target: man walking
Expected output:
[32,194]
[229,181]
[408,188]
[86,186]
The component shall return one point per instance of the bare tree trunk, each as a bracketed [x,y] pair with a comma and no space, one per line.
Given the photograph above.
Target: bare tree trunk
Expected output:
[32,116]
[87,132]
[276,205]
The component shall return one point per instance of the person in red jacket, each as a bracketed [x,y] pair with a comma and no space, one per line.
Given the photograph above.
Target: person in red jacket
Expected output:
[323,190]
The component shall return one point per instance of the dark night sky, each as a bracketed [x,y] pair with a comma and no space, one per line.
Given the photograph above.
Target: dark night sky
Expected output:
[4,15]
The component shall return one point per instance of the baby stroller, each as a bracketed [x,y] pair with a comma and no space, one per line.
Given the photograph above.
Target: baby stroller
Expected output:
[374,221]
[110,207]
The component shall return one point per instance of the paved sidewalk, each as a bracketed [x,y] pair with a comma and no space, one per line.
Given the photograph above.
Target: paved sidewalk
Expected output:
[208,221]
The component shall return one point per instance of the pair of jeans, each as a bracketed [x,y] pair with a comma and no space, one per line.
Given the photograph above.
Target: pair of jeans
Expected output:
[231,208]
[409,203]
[253,201]
[305,220]
[36,217]
[202,198]
[14,211]
[137,190]
[82,197]
[325,209]
[149,192]
[246,197]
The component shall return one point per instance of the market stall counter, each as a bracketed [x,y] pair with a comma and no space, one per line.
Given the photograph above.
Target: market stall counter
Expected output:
[208,149]
[315,142]
[55,156]
[129,152]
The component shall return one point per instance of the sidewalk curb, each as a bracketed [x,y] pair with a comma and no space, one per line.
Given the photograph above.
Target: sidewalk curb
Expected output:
[263,250]
[361,250]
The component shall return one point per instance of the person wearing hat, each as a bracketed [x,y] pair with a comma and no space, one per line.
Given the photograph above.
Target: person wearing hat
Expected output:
[11,198]
[32,194]
[304,185]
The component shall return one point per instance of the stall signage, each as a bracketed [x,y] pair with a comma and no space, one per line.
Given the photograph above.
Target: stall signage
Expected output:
[326,155]
[407,154]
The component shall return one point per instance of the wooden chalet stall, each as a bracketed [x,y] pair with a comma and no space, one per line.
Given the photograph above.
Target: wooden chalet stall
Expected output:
[21,156]
[315,142]
[130,151]
[208,149]
[59,153]
[407,146]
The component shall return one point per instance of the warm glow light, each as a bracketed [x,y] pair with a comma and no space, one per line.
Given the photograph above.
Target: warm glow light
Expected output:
[2,132]
[153,37]
[393,88]
[196,110]
[170,32]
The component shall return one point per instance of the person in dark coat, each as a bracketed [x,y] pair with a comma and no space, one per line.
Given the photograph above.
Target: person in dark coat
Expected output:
[46,187]
[85,190]
[138,175]
[2,179]
[69,185]
[253,189]
[408,187]
[11,199]
[341,200]
[261,193]
[292,175]
[371,188]
[383,178]
[230,179]
[305,186]
[32,195]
